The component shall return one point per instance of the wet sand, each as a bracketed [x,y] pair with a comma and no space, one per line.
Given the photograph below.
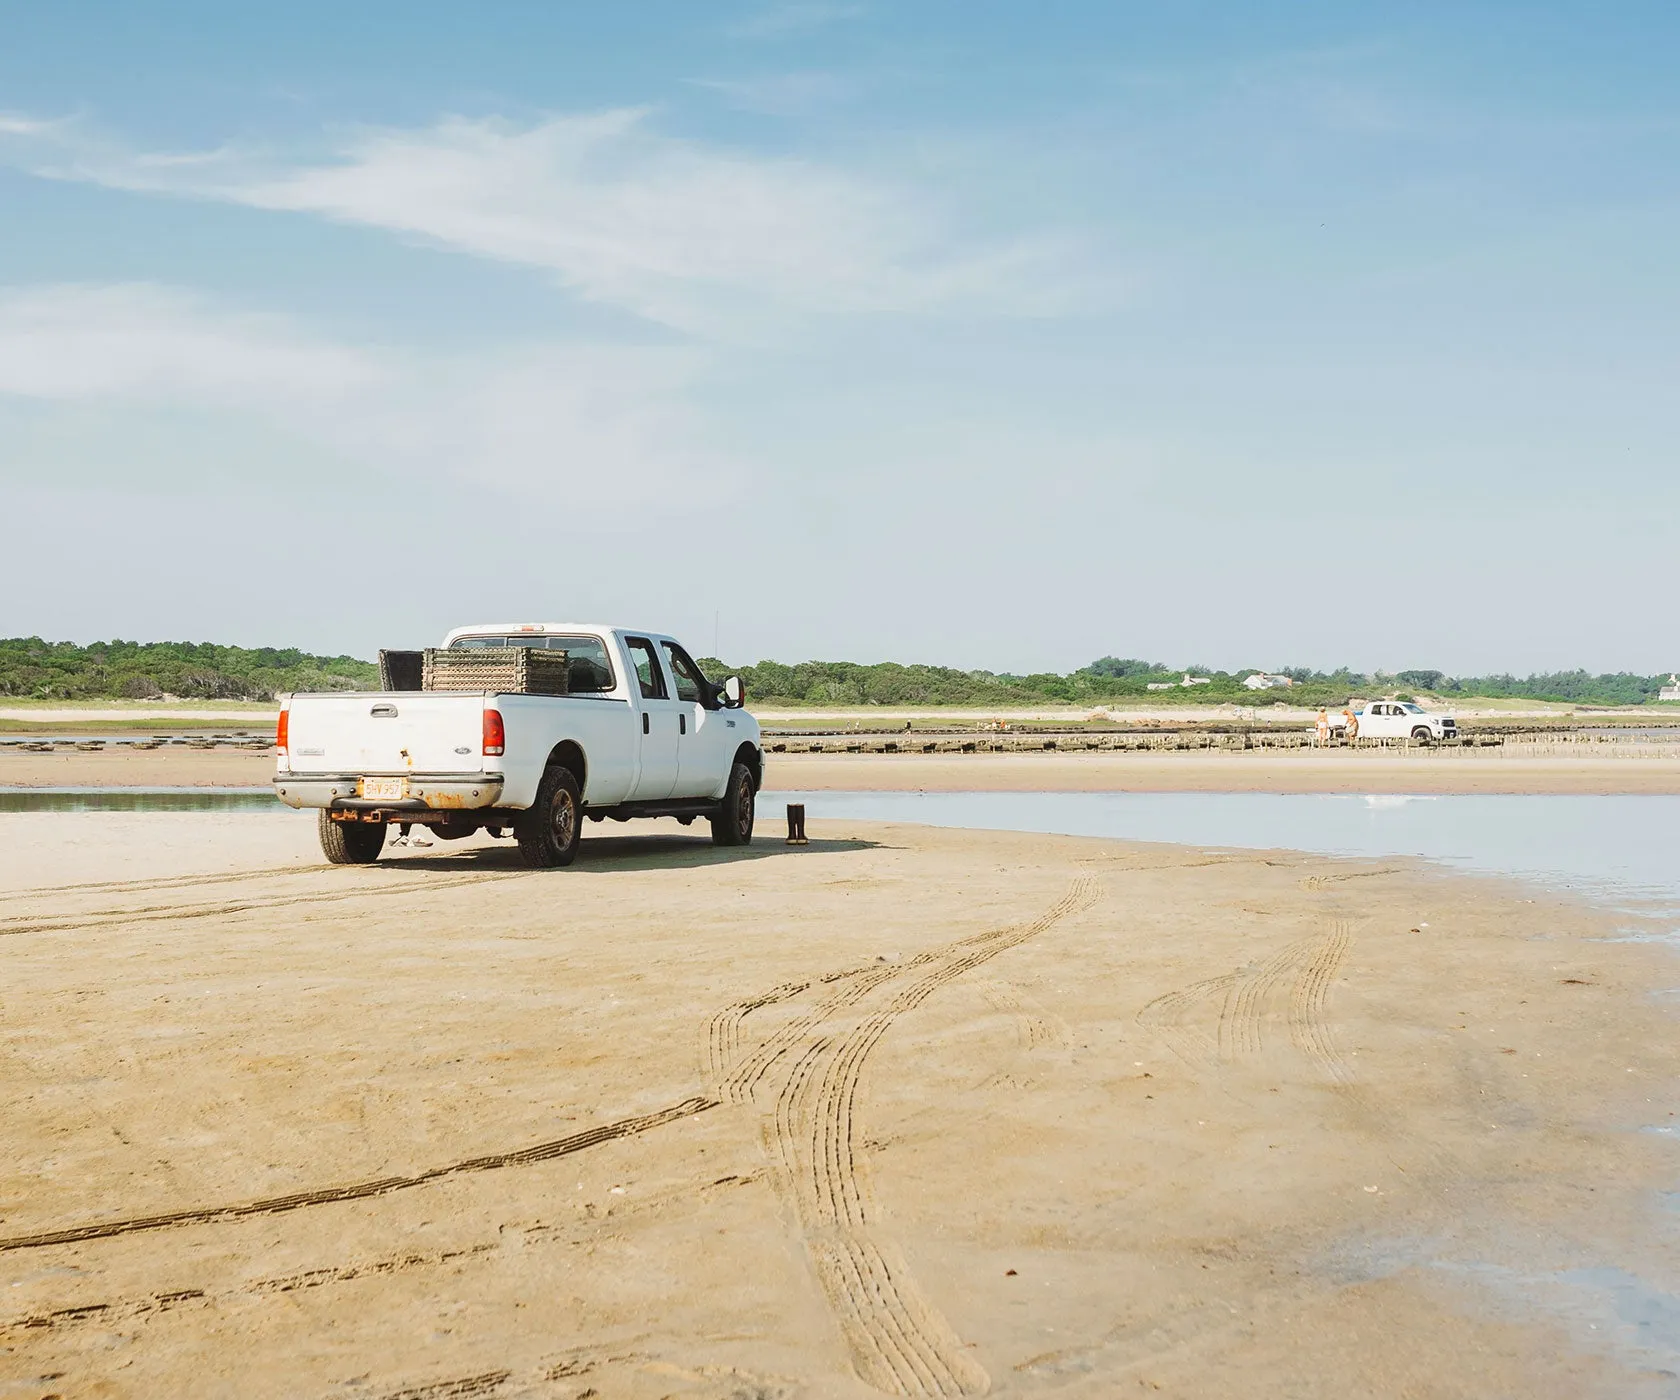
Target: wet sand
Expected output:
[1511,770]
[904,1111]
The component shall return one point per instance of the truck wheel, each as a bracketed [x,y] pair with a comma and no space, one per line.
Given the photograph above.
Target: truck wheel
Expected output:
[350,843]
[733,824]
[1422,734]
[548,833]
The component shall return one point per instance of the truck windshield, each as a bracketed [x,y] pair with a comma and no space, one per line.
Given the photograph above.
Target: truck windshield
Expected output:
[1412,709]
[588,672]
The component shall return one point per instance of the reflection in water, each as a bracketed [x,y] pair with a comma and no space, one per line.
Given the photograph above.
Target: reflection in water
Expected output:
[116,799]
[1607,1307]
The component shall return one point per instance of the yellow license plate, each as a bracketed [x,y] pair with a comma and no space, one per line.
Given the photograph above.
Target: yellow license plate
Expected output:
[383,789]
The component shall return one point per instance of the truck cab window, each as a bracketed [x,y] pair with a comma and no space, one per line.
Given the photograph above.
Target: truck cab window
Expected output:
[691,685]
[588,672]
[647,668]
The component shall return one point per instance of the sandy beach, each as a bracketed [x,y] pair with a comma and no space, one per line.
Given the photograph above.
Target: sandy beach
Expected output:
[905,1111]
[1540,769]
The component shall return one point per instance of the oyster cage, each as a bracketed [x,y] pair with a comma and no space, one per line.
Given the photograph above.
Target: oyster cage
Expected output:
[506,670]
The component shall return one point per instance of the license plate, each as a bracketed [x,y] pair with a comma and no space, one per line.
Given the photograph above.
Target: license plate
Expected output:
[383,789]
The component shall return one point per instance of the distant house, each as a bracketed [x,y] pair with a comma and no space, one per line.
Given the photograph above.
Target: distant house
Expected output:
[1671,691]
[1260,680]
[1196,680]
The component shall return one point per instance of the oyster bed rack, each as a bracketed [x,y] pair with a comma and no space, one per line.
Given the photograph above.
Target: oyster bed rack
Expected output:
[505,670]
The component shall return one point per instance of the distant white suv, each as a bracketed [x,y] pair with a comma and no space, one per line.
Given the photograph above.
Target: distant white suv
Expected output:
[1401,719]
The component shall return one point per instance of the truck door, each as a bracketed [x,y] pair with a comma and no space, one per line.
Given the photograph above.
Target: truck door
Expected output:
[707,740]
[660,724]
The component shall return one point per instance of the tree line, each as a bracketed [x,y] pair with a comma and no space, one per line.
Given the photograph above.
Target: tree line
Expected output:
[34,669]
[31,668]
[1121,679]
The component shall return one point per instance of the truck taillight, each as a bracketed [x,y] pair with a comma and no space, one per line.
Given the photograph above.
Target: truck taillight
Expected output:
[495,736]
[282,732]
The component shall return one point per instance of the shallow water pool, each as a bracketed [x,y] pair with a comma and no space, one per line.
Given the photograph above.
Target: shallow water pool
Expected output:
[140,799]
[1625,850]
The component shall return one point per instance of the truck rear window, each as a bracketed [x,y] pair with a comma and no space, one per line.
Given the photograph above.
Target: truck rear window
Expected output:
[588,672]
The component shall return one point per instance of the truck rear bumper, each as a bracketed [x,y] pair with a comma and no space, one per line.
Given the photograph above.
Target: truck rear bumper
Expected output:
[426,792]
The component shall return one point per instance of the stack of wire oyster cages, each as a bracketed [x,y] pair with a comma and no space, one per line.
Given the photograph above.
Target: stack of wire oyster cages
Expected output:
[504,670]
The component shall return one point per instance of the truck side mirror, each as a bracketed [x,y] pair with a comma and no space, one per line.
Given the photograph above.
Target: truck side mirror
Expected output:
[734,693]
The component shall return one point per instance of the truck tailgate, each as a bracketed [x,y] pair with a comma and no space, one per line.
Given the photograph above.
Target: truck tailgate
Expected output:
[409,732]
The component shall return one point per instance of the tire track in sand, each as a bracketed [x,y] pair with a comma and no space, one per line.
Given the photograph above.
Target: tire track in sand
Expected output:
[568,1233]
[152,913]
[723,1029]
[899,1341]
[741,1080]
[1242,1018]
[362,1190]
[1034,1027]
[1308,1029]
[1318,882]
[1173,1017]
[1250,998]
[168,882]
[1245,998]
[1180,1018]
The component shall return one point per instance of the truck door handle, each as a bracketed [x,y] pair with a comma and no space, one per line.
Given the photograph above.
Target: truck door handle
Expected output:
[682,724]
[644,722]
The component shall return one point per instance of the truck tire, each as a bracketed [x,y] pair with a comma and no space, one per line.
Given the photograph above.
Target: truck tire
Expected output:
[350,843]
[548,832]
[733,824]
[1421,734]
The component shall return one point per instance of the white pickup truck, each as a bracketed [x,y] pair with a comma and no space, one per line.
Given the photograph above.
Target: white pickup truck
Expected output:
[1399,719]
[640,732]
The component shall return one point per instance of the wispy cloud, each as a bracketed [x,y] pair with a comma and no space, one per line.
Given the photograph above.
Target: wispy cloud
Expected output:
[781,94]
[11,124]
[706,239]
[798,17]
[143,341]
[587,422]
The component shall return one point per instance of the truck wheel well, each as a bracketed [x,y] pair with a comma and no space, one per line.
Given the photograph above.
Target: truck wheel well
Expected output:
[569,756]
[749,755]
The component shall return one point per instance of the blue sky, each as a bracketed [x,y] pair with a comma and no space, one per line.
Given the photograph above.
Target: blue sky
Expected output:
[992,335]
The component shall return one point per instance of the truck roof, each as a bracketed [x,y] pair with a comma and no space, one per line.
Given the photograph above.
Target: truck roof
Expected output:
[540,628]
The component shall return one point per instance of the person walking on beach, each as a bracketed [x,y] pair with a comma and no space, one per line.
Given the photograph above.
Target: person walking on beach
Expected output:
[1322,739]
[1352,731]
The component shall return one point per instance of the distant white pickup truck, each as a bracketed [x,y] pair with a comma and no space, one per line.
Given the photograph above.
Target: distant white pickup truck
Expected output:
[641,732]
[1398,719]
